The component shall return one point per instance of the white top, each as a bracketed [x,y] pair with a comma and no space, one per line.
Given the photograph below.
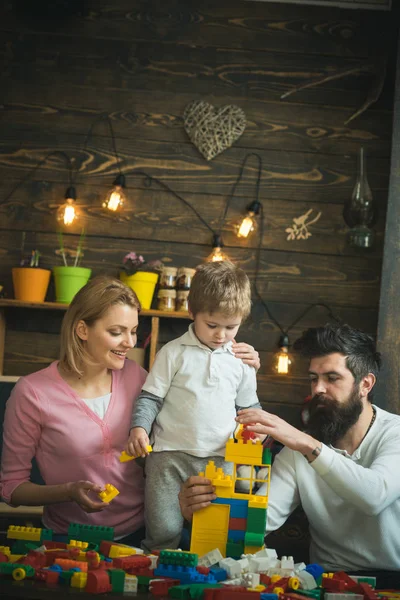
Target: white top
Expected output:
[201,389]
[98,405]
[352,502]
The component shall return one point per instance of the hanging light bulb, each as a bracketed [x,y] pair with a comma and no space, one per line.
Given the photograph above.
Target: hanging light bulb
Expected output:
[282,360]
[116,196]
[249,223]
[68,213]
[360,212]
[217,255]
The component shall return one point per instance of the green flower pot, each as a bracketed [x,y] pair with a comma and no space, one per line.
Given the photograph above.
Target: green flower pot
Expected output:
[69,280]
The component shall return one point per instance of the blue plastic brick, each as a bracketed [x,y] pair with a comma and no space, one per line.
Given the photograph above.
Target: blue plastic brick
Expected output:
[218,573]
[236,534]
[315,570]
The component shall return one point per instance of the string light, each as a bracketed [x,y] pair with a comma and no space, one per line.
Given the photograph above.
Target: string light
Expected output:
[249,222]
[217,255]
[68,212]
[283,361]
[116,198]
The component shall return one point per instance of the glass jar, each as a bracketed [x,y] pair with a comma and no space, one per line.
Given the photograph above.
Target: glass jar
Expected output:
[168,278]
[182,301]
[184,279]
[166,300]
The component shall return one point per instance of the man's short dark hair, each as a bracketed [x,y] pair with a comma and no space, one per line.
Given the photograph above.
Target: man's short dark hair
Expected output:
[358,347]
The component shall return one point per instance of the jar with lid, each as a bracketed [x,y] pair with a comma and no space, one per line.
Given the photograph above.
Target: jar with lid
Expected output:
[168,278]
[184,278]
[182,301]
[166,300]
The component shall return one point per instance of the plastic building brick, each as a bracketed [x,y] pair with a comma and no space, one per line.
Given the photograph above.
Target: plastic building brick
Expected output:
[218,573]
[160,587]
[108,493]
[211,558]
[79,580]
[237,524]
[238,508]
[330,596]
[17,570]
[210,529]
[129,563]
[98,582]
[178,557]
[130,584]
[83,546]
[234,549]
[254,540]
[256,520]
[120,551]
[5,550]
[15,532]
[184,574]
[315,570]
[125,457]
[117,579]
[90,533]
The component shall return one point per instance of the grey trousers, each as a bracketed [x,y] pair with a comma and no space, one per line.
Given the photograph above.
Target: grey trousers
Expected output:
[165,472]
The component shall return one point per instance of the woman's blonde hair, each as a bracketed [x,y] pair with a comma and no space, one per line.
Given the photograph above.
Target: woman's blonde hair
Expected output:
[220,287]
[90,304]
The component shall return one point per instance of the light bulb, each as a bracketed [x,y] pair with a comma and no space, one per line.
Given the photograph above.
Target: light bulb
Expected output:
[247,225]
[68,213]
[116,198]
[217,255]
[249,222]
[282,359]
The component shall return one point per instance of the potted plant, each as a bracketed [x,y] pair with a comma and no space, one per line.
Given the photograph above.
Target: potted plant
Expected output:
[69,279]
[141,276]
[29,280]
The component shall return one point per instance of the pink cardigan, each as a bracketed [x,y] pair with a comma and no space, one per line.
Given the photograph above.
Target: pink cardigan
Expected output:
[46,419]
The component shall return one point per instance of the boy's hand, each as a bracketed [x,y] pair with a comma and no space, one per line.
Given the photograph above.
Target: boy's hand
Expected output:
[138,442]
[247,354]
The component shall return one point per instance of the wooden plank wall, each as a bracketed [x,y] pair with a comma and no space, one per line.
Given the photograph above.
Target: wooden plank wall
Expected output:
[388,389]
[142,63]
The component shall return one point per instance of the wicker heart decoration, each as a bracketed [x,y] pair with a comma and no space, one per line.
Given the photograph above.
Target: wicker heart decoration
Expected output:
[212,130]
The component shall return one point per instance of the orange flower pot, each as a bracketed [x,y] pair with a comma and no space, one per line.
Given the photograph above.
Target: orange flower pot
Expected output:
[30,283]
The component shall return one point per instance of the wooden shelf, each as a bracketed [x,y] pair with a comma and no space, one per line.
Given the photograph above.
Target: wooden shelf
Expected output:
[6,302]
[155,315]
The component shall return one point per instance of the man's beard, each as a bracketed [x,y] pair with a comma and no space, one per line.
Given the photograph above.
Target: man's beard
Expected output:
[330,420]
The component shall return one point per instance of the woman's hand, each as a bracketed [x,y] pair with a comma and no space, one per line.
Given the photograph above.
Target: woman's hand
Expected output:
[196,493]
[78,491]
[247,354]
[138,442]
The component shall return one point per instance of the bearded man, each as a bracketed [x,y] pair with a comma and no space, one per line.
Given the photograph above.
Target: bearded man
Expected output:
[344,470]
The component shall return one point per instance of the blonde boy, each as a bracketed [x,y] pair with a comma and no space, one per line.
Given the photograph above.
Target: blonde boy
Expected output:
[190,399]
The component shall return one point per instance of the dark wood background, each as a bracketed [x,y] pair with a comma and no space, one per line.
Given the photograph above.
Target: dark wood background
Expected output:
[65,63]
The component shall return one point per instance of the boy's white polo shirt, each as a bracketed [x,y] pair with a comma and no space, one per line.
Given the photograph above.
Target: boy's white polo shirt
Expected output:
[201,389]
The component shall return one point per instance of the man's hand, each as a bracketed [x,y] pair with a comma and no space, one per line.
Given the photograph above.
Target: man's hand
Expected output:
[138,442]
[260,421]
[78,491]
[196,493]
[247,354]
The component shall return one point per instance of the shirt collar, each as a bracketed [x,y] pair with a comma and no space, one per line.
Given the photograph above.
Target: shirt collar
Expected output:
[191,339]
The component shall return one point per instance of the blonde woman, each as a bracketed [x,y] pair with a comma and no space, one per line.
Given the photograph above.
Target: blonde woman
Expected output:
[74,418]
